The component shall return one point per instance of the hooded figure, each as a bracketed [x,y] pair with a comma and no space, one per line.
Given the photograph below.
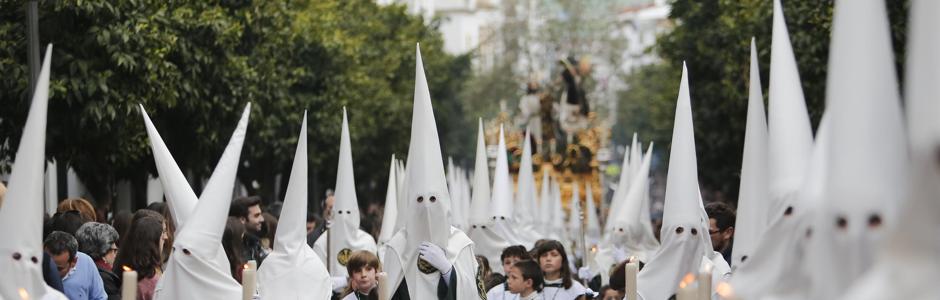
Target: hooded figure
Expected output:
[593,223]
[575,215]
[685,231]
[907,260]
[293,270]
[21,213]
[502,202]
[770,268]
[558,212]
[179,194]
[752,197]
[623,186]
[389,217]
[525,212]
[630,234]
[192,271]
[547,207]
[429,259]
[344,236]
[486,241]
[866,174]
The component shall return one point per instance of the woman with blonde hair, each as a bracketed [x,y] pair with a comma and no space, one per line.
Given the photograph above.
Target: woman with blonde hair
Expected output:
[83,207]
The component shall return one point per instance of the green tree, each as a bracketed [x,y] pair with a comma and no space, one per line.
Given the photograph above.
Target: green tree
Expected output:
[195,64]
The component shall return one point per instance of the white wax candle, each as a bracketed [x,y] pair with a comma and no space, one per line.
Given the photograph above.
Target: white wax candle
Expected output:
[705,285]
[129,284]
[249,283]
[630,270]
[686,293]
[382,277]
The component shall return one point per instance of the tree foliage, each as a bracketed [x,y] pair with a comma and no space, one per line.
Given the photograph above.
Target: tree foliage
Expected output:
[713,38]
[194,65]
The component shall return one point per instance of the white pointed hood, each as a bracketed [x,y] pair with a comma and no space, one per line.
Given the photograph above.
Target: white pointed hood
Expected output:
[390,214]
[502,183]
[344,234]
[623,186]
[908,259]
[790,138]
[179,194]
[684,230]
[525,200]
[769,268]
[867,161]
[753,197]
[628,227]
[545,202]
[488,237]
[425,171]
[293,270]
[401,196]
[592,222]
[21,214]
[192,271]
[558,213]
[574,215]
[480,201]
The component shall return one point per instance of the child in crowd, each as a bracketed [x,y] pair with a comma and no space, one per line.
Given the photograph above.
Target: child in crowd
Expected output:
[525,280]
[557,273]
[510,256]
[362,267]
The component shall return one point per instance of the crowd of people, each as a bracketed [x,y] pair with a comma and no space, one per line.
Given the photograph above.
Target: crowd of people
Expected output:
[840,215]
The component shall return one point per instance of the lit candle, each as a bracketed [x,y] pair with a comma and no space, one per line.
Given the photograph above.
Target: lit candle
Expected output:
[630,270]
[705,283]
[129,284]
[249,284]
[686,290]
[382,277]
[725,291]
[24,294]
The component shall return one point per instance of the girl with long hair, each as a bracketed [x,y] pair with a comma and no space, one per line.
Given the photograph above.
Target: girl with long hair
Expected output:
[141,251]
[557,273]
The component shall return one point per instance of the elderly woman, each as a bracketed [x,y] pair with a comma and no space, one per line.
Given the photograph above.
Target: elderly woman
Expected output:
[99,241]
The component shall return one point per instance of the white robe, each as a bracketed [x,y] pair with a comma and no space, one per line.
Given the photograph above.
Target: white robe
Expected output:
[561,293]
[460,253]
[362,241]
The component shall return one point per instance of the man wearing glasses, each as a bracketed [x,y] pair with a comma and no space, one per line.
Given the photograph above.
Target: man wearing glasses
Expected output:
[721,227]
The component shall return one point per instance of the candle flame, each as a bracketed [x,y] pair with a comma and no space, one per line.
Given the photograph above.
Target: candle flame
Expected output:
[24,294]
[594,248]
[631,259]
[724,290]
[245,266]
[687,280]
[126,268]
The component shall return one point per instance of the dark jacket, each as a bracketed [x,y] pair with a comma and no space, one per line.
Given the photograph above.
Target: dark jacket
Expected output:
[112,283]
[253,249]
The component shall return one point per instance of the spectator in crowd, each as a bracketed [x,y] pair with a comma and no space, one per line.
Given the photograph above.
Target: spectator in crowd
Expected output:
[141,251]
[268,230]
[80,279]
[164,209]
[67,221]
[99,241]
[248,211]
[84,207]
[122,223]
[721,227]
[232,243]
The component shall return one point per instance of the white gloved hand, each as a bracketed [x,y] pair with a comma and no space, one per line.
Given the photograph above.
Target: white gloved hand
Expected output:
[339,283]
[435,256]
[585,273]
